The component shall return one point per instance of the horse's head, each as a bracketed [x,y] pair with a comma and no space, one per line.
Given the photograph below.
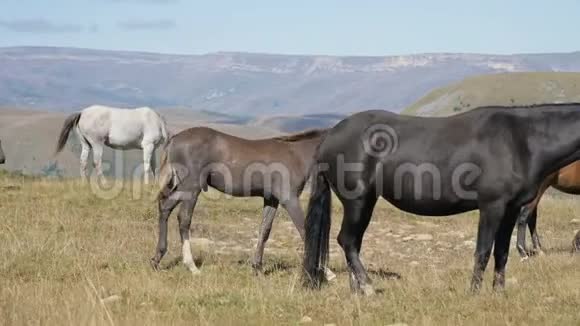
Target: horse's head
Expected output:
[2,157]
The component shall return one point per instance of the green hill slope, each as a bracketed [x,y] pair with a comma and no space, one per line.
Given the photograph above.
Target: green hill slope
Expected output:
[499,89]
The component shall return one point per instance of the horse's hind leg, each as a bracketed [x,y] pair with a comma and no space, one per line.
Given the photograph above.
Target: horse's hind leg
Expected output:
[528,216]
[85,150]
[166,206]
[98,159]
[184,218]
[357,215]
[148,151]
[268,214]
[532,221]
[523,221]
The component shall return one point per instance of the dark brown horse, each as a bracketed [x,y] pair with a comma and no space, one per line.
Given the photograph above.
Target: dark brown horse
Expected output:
[566,180]
[2,157]
[275,169]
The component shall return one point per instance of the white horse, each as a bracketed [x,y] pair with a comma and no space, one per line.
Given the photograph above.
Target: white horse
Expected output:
[97,126]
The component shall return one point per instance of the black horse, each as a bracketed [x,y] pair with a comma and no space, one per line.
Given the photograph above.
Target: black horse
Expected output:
[491,158]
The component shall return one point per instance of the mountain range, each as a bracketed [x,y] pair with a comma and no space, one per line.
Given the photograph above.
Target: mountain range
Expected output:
[243,85]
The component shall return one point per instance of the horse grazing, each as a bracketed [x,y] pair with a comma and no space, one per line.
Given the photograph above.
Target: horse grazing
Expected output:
[275,169]
[98,126]
[493,159]
[2,156]
[566,180]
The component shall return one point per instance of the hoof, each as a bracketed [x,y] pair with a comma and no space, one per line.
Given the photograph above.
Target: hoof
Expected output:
[154,264]
[102,182]
[194,271]
[524,259]
[258,270]
[329,275]
[368,290]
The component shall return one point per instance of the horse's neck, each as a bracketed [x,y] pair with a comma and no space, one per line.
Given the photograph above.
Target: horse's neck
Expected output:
[557,141]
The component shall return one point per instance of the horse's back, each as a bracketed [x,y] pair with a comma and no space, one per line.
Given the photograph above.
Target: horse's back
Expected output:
[444,134]
[121,128]
[95,121]
[427,153]
[213,150]
[400,133]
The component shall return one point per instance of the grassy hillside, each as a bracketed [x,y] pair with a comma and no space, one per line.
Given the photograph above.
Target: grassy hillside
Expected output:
[71,257]
[499,89]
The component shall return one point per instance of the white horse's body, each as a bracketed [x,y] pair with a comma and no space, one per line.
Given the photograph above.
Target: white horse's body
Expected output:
[98,126]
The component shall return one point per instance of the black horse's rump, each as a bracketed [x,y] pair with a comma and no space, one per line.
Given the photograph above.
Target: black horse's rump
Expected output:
[492,158]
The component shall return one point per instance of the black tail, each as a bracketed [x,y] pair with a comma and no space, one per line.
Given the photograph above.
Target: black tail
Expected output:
[317,231]
[69,123]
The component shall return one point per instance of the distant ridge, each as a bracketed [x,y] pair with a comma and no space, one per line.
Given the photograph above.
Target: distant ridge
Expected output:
[243,84]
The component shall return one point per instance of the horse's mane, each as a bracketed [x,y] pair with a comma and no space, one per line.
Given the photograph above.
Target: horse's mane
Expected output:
[308,134]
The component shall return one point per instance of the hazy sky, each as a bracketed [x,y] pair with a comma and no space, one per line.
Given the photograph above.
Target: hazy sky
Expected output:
[337,27]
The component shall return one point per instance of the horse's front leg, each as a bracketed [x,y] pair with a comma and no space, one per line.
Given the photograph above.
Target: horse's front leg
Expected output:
[166,206]
[490,216]
[268,214]
[148,151]
[501,249]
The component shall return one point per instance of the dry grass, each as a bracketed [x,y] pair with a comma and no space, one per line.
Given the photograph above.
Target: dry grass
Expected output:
[68,257]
